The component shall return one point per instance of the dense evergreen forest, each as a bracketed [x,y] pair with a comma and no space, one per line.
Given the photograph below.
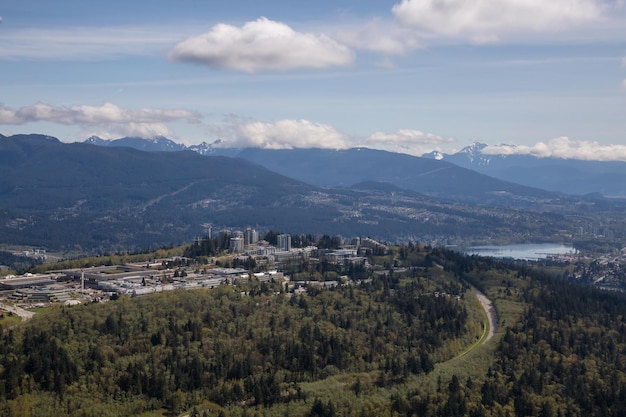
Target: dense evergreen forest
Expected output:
[400,343]
[16,263]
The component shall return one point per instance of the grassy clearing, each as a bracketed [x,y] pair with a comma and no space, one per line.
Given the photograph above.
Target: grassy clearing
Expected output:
[476,320]
[7,321]
[44,310]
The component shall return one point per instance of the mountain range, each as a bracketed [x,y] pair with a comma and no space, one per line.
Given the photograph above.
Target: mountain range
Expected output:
[158,144]
[78,196]
[570,176]
[344,168]
[327,167]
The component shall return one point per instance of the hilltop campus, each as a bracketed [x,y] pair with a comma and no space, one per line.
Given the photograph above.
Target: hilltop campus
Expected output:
[97,284]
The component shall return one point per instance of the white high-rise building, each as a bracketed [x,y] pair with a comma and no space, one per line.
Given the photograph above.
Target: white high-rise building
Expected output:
[236,244]
[284,242]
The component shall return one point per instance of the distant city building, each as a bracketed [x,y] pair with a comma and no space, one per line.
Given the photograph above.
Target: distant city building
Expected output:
[261,250]
[28,280]
[250,236]
[41,295]
[340,255]
[370,245]
[236,244]
[284,242]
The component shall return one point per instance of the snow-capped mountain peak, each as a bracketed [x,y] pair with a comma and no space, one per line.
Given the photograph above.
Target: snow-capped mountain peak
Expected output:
[157,143]
[474,153]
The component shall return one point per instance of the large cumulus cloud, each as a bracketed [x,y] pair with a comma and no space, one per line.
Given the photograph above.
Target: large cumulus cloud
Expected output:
[259,45]
[485,20]
[287,134]
[290,134]
[409,141]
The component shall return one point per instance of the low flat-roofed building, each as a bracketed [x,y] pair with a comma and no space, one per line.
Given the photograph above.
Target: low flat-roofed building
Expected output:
[151,289]
[94,277]
[340,255]
[227,271]
[25,281]
[370,245]
[268,276]
[41,295]
[287,256]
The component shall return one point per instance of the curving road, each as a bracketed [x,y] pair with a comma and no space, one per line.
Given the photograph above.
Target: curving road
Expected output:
[490,311]
[24,314]
[492,318]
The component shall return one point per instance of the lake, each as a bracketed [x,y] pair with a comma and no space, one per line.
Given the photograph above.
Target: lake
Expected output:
[526,251]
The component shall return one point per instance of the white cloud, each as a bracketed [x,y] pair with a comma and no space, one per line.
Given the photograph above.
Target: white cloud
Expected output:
[379,36]
[140,130]
[8,116]
[259,45]
[286,134]
[108,118]
[290,134]
[86,43]
[564,148]
[484,21]
[412,142]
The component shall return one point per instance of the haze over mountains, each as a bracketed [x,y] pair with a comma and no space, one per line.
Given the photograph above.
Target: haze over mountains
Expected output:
[345,167]
[99,198]
[570,176]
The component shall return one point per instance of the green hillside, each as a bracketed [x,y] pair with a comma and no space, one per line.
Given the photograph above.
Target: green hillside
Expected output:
[81,198]
[408,342]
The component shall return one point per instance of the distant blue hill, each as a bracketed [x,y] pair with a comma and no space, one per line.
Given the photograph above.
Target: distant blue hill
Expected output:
[344,168]
[83,197]
[569,176]
[157,144]
[162,144]
[328,167]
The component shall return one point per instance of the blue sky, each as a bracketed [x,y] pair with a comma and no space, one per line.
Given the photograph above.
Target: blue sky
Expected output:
[545,78]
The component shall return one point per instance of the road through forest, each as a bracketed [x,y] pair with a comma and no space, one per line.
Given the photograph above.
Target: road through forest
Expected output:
[490,311]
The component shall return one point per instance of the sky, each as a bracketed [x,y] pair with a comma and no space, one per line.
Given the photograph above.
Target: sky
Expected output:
[546,78]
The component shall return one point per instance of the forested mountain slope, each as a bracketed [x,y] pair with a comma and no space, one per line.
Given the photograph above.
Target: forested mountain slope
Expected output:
[328,167]
[91,199]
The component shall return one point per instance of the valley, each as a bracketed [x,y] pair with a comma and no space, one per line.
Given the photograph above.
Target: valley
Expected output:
[95,200]
[230,326]
[413,208]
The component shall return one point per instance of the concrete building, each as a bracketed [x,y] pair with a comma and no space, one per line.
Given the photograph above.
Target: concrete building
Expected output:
[25,281]
[287,256]
[340,256]
[250,236]
[371,246]
[284,242]
[41,295]
[236,244]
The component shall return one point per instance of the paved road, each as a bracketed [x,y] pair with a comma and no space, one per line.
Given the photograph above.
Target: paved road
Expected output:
[490,311]
[24,314]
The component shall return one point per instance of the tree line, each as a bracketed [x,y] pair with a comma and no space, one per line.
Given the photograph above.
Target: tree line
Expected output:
[174,349]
